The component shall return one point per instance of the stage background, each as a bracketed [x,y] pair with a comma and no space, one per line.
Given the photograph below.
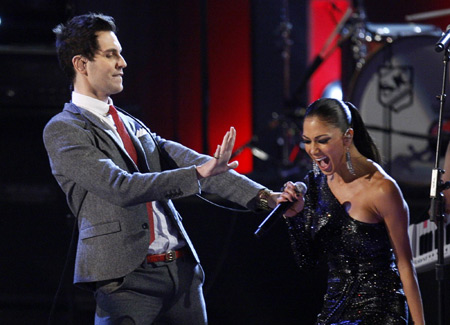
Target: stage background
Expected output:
[194,69]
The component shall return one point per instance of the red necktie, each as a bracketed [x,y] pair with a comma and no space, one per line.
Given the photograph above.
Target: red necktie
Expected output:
[129,147]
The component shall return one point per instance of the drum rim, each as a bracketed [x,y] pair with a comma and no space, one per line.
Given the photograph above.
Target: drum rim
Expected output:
[357,73]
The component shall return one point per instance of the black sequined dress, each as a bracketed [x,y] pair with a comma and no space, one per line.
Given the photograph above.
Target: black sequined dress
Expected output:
[364,286]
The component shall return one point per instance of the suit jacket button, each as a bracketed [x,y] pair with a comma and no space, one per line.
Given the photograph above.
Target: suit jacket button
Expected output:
[144,226]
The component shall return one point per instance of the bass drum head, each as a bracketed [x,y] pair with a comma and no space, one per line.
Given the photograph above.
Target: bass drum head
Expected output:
[395,93]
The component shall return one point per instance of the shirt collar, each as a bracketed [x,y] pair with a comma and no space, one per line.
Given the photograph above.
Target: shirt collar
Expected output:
[91,104]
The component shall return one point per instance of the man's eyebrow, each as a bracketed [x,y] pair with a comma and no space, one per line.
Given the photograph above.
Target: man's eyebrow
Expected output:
[109,51]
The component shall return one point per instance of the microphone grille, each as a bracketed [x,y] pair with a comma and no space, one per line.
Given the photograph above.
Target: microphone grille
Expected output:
[301,187]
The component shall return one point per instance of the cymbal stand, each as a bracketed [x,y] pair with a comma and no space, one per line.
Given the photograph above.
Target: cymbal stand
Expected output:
[358,38]
[287,133]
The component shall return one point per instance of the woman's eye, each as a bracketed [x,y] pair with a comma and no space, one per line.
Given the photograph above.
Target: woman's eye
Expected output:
[306,141]
[323,141]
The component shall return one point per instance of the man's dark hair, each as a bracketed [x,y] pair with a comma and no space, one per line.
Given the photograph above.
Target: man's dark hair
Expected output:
[79,37]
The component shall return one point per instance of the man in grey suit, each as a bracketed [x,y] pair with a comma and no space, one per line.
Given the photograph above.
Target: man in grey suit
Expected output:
[119,179]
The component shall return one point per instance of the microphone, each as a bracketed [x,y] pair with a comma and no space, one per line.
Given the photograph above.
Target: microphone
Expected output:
[443,41]
[279,210]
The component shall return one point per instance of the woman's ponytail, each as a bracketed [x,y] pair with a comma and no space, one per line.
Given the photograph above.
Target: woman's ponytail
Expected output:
[361,138]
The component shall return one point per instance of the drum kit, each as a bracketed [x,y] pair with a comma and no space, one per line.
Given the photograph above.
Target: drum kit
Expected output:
[392,74]
[394,84]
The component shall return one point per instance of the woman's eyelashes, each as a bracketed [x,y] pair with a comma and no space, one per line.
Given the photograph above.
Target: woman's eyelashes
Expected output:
[321,141]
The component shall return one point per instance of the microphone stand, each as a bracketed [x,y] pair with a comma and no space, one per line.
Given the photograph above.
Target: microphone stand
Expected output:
[437,200]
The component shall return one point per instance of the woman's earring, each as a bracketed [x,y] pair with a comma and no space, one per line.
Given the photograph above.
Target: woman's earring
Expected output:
[316,169]
[349,162]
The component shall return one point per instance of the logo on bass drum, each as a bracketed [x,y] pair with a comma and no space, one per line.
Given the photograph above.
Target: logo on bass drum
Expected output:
[395,87]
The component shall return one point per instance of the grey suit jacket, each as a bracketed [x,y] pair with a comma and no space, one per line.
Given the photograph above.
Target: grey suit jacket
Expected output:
[107,192]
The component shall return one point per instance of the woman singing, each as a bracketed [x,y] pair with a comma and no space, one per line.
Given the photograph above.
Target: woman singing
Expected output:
[353,215]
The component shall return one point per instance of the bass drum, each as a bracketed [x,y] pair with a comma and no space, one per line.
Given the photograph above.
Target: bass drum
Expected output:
[395,93]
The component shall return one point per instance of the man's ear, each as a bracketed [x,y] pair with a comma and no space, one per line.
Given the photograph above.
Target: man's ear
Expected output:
[79,63]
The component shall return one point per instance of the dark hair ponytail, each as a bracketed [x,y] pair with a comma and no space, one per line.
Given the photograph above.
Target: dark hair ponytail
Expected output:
[344,115]
[361,138]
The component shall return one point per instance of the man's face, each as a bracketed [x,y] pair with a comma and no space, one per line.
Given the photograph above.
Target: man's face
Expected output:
[105,71]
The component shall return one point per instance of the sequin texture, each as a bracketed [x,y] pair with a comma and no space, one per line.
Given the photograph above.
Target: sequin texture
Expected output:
[364,286]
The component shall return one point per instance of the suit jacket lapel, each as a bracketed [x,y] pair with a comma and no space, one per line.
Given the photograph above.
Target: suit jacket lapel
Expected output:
[91,118]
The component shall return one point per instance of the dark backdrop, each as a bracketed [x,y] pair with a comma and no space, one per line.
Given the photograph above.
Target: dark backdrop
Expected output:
[248,281]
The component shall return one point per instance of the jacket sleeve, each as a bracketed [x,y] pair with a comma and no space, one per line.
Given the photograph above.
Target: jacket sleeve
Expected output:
[85,158]
[230,185]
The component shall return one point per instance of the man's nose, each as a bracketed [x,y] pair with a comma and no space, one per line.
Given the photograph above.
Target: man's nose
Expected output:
[122,63]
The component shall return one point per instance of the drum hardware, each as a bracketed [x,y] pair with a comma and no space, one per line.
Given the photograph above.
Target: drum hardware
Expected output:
[286,141]
[429,137]
[424,156]
[257,152]
[285,124]
[394,94]
[360,35]
[327,49]
[428,15]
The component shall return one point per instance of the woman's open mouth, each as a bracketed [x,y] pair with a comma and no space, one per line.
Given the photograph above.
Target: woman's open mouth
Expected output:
[323,163]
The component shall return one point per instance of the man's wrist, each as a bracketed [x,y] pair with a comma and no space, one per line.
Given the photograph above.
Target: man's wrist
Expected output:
[262,199]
